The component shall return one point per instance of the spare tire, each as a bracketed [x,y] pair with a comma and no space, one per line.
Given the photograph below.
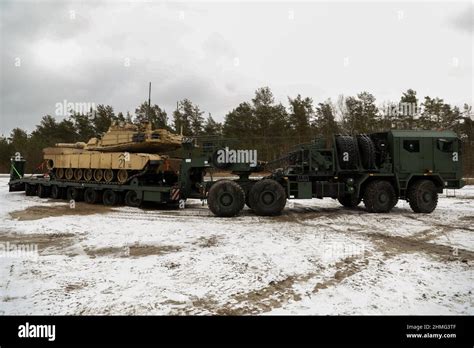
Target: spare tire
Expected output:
[367,151]
[347,151]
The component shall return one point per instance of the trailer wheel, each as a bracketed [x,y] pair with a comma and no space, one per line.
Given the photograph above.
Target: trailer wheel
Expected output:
[347,152]
[422,196]
[74,193]
[379,196]
[267,197]
[91,196]
[56,192]
[110,197]
[132,199]
[226,198]
[367,151]
[43,191]
[349,201]
[30,190]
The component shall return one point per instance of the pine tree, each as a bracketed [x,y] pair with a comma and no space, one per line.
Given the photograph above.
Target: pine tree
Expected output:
[155,115]
[301,112]
[212,127]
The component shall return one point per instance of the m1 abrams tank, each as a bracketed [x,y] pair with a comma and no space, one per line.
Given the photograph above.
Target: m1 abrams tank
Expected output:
[124,152]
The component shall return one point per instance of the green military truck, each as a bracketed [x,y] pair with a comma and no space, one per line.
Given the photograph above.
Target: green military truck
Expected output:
[378,169]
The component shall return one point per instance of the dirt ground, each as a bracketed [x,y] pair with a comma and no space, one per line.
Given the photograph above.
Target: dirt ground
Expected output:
[316,258]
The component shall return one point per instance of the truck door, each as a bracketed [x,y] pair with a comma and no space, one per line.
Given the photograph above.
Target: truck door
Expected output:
[416,155]
[446,156]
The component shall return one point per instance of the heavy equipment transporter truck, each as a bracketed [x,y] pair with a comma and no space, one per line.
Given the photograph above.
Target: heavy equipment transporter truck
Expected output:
[378,169]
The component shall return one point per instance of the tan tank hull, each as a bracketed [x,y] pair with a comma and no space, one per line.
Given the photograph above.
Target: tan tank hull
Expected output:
[124,152]
[95,166]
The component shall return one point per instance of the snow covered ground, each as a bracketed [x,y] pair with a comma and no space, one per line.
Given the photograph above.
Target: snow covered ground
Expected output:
[317,258]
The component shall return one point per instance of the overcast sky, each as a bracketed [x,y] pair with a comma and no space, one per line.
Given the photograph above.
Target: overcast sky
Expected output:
[218,53]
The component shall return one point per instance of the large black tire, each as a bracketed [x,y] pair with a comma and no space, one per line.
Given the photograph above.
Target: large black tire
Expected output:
[267,197]
[132,199]
[226,198]
[43,191]
[92,196]
[347,151]
[367,151]
[74,193]
[379,196]
[349,201]
[56,192]
[110,197]
[422,196]
[30,190]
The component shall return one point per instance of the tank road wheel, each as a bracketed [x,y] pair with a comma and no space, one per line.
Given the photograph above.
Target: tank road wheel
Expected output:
[43,191]
[108,175]
[379,196]
[91,196]
[30,190]
[56,192]
[60,173]
[78,174]
[98,175]
[110,197]
[88,174]
[226,198]
[349,201]
[69,174]
[367,151]
[347,152]
[422,196]
[132,199]
[74,193]
[122,176]
[267,197]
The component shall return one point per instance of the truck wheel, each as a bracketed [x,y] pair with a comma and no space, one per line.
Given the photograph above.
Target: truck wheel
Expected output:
[91,196]
[367,151]
[74,193]
[349,201]
[267,197]
[422,196]
[110,197]
[30,190]
[379,196]
[347,152]
[56,192]
[132,199]
[226,198]
[43,191]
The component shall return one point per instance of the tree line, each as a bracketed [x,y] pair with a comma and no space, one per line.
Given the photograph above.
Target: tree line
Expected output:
[261,123]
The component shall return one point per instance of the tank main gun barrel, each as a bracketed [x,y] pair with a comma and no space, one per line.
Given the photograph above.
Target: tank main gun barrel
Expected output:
[78,145]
